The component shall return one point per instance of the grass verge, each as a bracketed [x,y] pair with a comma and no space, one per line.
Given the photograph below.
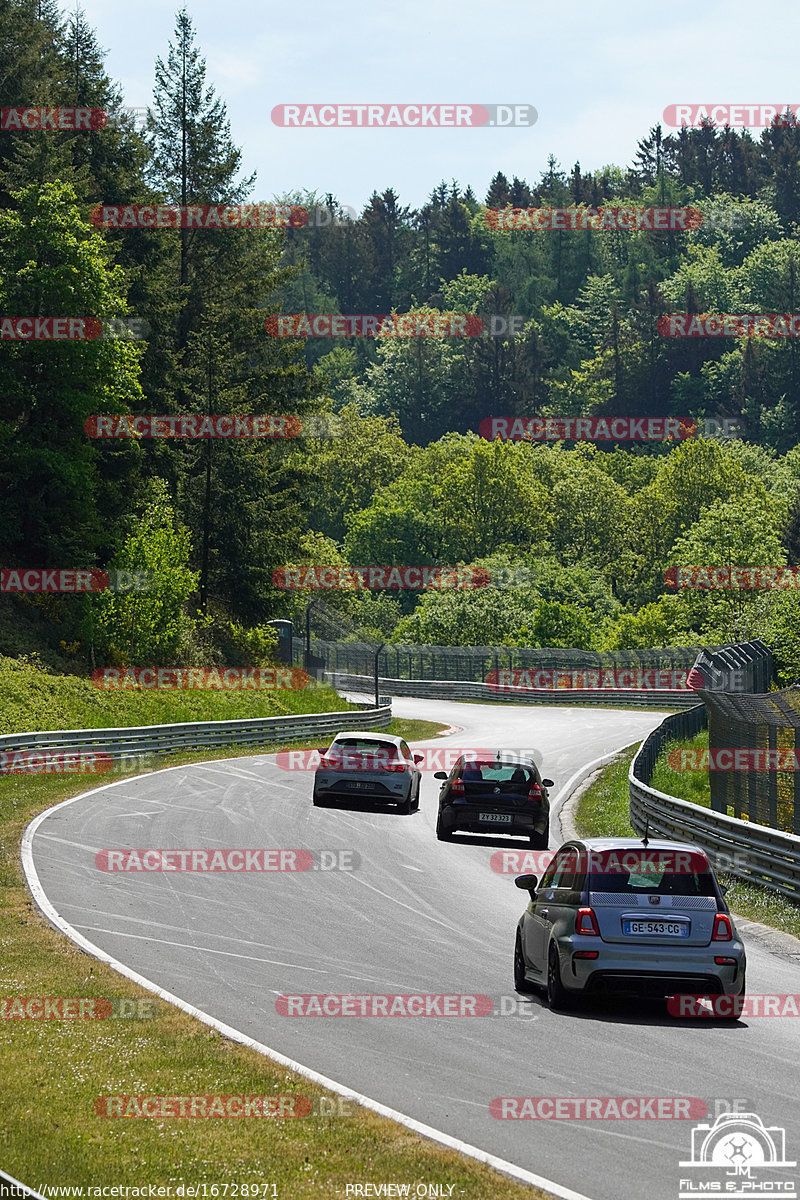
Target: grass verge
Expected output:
[604,811]
[33,700]
[54,1071]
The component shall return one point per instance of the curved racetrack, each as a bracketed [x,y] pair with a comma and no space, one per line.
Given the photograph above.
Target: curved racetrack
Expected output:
[417,916]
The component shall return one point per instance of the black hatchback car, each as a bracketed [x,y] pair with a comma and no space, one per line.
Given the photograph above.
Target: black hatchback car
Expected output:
[505,794]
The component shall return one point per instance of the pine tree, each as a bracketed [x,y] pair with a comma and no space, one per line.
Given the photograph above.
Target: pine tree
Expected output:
[194,160]
[499,193]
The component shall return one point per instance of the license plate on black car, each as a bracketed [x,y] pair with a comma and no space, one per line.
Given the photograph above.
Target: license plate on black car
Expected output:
[506,817]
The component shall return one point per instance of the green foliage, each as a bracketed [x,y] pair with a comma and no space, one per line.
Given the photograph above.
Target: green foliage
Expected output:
[486,617]
[256,645]
[341,473]
[54,262]
[776,619]
[149,628]
[557,624]
[405,480]
[665,622]
[34,699]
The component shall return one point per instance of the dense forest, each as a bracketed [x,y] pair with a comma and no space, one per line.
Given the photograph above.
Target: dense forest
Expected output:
[576,537]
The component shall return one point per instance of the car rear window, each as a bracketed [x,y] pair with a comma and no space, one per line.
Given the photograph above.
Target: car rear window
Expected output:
[666,872]
[358,753]
[494,772]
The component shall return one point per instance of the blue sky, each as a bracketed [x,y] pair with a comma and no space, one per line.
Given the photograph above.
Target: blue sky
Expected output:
[599,75]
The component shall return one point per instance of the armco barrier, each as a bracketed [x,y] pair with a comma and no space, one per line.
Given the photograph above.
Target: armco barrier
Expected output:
[755,852]
[161,739]
[452,689]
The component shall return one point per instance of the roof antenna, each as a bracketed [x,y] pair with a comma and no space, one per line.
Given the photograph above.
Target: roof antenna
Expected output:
[645,841]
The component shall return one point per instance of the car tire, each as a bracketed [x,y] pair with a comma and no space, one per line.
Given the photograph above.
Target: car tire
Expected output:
[415,805]
[320,802]
[539,841]
[738,1004]
[557,995]
[442,834]
[521,984]
[406,806]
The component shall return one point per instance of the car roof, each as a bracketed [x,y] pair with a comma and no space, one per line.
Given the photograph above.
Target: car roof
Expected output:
[503,760]
[368,735]
[619,843]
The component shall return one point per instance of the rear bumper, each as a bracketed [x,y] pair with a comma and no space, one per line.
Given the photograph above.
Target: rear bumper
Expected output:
[466,817]
[652,970]
[376,792]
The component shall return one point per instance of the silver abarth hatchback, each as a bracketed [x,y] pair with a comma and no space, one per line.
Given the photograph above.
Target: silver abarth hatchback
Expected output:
[628,916]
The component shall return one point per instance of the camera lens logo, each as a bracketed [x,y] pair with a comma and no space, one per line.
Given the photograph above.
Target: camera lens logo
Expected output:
[734,1155]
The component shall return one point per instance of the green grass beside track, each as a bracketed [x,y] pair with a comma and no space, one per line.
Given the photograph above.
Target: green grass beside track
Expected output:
[604,811]
[32,699]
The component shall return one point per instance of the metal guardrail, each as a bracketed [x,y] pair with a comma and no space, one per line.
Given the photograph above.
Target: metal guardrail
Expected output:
[441,689]
[161,739]
[752,852]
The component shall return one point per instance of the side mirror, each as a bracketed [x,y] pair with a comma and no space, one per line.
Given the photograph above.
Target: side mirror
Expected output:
[723,889]
[548,783]
[322,749]
[440,774]
[528,883]
[418,758]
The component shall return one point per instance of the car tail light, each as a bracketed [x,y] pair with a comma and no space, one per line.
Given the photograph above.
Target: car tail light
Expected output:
[396,764]
[586,922]
[535,793]
[457,787]
[722,928]
[586,954]
[721,961]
